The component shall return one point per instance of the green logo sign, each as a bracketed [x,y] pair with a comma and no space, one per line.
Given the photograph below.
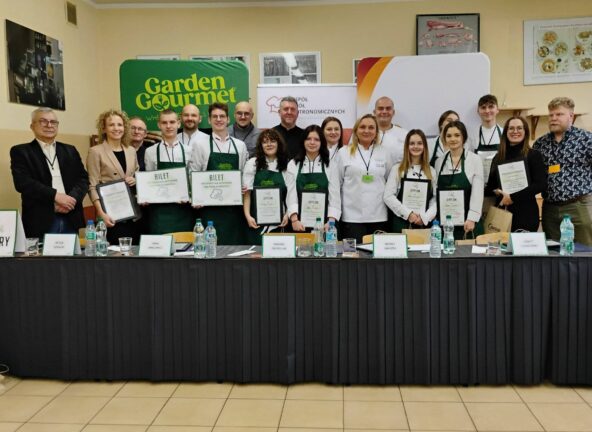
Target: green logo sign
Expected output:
[150,86]
[310,186]
[267,183]
[224,166]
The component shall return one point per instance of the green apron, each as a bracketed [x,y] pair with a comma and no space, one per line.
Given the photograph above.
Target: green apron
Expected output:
[229,221]
[312,182]
[265,178]
[482,147]
[170,217]
[457,182]
[397,224]
[434,157]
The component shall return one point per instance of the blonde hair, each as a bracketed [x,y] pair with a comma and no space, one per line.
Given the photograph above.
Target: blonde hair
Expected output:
[355,142]
[126,138]
[406,163]
[561,102]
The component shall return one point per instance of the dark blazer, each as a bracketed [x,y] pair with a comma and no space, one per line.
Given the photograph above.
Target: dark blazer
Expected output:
[32,179]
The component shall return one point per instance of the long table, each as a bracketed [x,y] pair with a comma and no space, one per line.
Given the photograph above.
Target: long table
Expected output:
[456,320]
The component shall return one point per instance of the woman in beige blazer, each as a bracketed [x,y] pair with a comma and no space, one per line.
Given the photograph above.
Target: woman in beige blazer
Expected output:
[112,160]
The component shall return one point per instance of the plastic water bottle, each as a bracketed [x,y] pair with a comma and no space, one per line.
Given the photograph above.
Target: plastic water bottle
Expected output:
[435,240]
[331,241]
[211,240]
[319,245]
[449,247]
[566,242]
[90,235]
[101,235]
[199,240]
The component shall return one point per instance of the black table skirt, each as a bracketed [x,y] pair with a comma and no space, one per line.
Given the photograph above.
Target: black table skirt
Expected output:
[459,320]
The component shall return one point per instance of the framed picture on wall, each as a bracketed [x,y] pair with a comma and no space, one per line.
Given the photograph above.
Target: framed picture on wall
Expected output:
[447,34]
[245,58]
[355,63]
[558,51]
[290,68]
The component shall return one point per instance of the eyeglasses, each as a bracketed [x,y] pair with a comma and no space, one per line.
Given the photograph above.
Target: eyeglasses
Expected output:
[515,129]
[137,129]
[242,113]
[45,122]
[219,117]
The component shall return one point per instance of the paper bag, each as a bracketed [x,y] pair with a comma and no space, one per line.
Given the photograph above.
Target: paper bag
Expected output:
[498,220]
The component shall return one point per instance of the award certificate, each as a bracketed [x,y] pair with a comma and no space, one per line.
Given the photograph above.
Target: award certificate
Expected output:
[486,159]
[452,202]
[162,186]
[415,195]
[116,200]
[216,188]
[312,207]
[267,205]
[513,176]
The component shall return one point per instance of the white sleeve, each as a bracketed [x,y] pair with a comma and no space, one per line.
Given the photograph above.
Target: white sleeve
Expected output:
[335,183]
[474,173]
[391,190]
[199,156]
[292,194]
[249,174]
[432,210]
[150,158]
[243,153]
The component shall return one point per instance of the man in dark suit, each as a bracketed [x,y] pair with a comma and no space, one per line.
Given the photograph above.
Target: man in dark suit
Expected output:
[287,128]
[50,178]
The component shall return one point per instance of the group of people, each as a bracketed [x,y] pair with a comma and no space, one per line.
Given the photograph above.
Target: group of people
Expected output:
[362,181]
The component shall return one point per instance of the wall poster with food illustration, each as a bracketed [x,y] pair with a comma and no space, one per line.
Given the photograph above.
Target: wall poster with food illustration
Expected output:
[447,34]
[558,51]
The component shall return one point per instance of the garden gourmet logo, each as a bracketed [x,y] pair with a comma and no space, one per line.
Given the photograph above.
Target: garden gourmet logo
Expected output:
[311,186]
[164,94]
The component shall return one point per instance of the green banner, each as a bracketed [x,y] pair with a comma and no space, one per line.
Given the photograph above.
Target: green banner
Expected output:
[150,86]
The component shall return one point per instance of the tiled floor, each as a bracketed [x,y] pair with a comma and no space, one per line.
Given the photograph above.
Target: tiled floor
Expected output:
[55,406]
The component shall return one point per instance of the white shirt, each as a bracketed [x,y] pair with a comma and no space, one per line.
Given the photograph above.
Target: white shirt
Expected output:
[350,198]
[49,150]
[168,153]
[332,152]
[251,169]
[308,167]
[488,136]
[200,152]
[393,186]
[474,173]
[432,147]
[188,140]
[393,139]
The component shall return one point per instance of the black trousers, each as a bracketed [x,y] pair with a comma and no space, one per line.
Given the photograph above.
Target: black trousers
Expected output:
[359,230]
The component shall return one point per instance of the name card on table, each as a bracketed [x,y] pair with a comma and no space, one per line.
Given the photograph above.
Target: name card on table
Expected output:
[156,245]
[279,246]
[528,244]
[61,245]
[390,246]
[12,233]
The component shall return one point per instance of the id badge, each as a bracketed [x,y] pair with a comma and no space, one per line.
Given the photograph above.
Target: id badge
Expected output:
[554,169]
[367,178]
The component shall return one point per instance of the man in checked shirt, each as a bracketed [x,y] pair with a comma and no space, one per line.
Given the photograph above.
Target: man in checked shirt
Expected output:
[567,153]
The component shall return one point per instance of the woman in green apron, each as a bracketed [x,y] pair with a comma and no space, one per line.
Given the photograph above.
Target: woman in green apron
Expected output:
[266,170]
[168,154]
[308,182]
[221,152]
[437,145]
[409,190]
[460,183]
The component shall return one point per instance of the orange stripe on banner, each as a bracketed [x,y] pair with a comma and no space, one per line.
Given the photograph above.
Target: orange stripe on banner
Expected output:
[366,87]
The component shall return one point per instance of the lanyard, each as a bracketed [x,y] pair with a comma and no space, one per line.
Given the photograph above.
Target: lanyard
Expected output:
[367,165]
[171,156]
[416,173]
[482,138]
[216,144]
[454,168]
[311,164]
[55,155]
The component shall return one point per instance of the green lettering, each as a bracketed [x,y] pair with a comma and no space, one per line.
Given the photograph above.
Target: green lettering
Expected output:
[191,83]
[143,101]
[148,85]
[204,83]
[232,95]
[223,96]
[218,83]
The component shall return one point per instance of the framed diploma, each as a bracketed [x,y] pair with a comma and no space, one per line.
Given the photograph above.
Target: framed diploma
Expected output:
[162,186]
[452,202]
[312,206]
[216,188]
[268,205]
[117,201]
[513,177]
[415,195]
[486,159]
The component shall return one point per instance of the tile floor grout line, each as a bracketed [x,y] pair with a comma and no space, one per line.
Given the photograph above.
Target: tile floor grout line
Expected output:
[41,408]
[223,406]
[466,409]
[163,405]
[283,407]
[528,407]
[404,407]
[106,403]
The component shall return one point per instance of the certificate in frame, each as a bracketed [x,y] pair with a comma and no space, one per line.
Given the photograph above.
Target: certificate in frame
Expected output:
[413,192]
[452,202]
[268,205]
[117,200]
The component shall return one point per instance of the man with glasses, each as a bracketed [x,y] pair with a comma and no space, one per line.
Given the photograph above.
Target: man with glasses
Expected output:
[138,141]
[51,179]
[243,127]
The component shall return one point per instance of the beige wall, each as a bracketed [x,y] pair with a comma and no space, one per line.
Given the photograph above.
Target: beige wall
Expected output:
[106,37]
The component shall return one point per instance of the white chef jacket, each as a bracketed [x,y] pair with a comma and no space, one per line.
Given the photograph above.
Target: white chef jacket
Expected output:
[251,169]
[167,154]
[393,139]
[393,186]
[474,173]
[200,152]
[351,199]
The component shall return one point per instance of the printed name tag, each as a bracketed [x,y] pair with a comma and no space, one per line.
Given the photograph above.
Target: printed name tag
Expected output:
[279,246]
[61,245]
[156,245]
[368,178]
